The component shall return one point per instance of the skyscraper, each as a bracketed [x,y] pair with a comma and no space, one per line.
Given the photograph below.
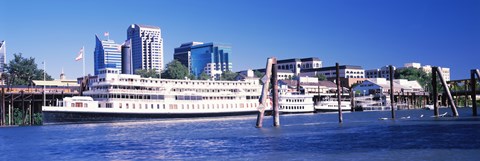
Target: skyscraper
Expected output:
[107,55]
[127,58]
[3,56]
[147,47]
[211,58]
[184,53]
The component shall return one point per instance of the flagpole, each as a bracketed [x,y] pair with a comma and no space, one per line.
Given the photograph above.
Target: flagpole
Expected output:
[83,59]
[44,97]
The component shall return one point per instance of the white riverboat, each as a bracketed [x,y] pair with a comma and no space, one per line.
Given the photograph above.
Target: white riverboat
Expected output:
[294,102]
[330,104]
[114,96]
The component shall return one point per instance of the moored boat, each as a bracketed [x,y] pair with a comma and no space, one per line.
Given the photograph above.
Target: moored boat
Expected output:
[114,96]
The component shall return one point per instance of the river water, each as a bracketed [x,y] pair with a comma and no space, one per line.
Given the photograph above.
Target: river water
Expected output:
[362,136]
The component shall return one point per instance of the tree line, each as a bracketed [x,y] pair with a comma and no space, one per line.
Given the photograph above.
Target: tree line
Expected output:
[176,70]
[21,71]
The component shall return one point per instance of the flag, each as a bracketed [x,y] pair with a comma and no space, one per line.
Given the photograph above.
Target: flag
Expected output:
[80,55]
[106,34]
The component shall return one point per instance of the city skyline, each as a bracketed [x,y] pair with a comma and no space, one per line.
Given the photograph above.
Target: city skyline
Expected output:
[370,33]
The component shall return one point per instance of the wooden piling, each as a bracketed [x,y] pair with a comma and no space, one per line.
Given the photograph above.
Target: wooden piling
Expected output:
[390,68]
[435,92]
[352,100]
[276,112]
[10,111]
[465,84]
[473,84]
[31,112]
[3,120]
[24,111]
[340,117]
[453,106]
[263,98]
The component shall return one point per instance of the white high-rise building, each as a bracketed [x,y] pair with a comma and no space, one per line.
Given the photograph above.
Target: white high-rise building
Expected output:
[147,47]
[3,56]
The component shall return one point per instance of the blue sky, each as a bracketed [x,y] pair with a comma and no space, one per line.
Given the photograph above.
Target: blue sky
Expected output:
[370,33]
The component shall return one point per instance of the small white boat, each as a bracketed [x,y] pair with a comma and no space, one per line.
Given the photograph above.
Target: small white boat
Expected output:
[330,104]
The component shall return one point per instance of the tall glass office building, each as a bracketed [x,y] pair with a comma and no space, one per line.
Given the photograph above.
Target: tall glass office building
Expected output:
[184,53]
[107,55]
[3,56]
[211,58]
[147,47]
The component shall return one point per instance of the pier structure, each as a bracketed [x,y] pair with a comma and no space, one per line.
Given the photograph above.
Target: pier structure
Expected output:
[28,101]
[468,94]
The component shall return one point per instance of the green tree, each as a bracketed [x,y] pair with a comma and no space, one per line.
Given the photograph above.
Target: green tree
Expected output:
[175,70]
[423,78]
[258,74]
[192,77]
[321,77]
[228,75]
[21,71]
[203,76]
[147,73]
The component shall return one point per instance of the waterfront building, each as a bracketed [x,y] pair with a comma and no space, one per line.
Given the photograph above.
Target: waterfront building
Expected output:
[349,74]
[184,54]
[3,56]
[310,86]
[383,72]
[346,71]
[211,58]
[288,68]
[379,89]
[382,86]
[127,67]
[281,74]
[297,64]
[107,55]
[146,46]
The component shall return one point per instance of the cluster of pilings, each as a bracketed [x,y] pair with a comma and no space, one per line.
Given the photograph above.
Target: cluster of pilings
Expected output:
[270,77]
[23,105]
[413,100]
